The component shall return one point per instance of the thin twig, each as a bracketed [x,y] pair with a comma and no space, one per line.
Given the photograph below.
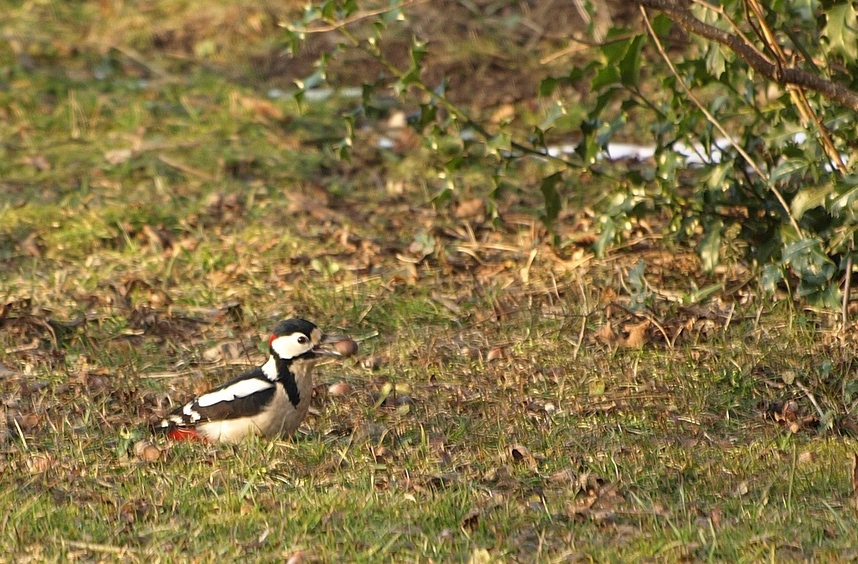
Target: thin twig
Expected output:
[718,125]
[355,18]
[454,110]
[812,399]
[846,289]
[580,338]
[96,547]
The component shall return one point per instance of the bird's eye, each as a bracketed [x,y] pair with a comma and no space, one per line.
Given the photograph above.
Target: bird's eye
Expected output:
[302,340]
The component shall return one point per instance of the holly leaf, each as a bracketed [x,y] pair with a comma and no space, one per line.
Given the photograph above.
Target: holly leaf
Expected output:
[841,29]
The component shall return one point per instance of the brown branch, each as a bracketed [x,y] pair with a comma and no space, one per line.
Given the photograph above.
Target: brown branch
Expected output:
[723,13]
[678,11]
[796,92]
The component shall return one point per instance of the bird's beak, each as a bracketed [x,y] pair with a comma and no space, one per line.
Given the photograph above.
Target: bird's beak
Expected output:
[334,345]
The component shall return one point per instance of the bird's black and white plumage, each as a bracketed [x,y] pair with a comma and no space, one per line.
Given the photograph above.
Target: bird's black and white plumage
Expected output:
[270,400]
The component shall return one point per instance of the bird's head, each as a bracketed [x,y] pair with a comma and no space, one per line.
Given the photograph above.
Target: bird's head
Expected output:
[299,339]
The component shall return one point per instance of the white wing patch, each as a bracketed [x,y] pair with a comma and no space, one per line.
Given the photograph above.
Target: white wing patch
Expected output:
[287,346]
[188,410]
[270,368]
[240,389]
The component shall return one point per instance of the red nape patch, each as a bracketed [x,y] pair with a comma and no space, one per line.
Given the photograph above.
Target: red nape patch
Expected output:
[271,340]
[184,434]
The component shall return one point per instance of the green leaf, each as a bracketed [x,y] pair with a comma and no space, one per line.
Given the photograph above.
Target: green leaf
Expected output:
[716,63]
[551,197]
[606,76]
[428,113]
[808,198]
[548,85]
[556,111]
[841,29]
[703,293]
[661,24]
[772,275]
[636,279]
[630,64]
[710,246]
[789,168]
[499,144]
[608,233]
[808,260]
[826,296]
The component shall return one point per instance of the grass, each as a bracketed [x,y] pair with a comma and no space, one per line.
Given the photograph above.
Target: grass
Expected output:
[156,205]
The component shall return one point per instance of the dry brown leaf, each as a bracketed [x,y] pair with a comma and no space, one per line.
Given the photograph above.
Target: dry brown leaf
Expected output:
[598,498]
[496,353]
[229,350]
[261,108]
[146,451]
[520,454]
[339,389]
[596,387]
[637,335]
[606,334]
[471,519]
[470,208]
[38,463]
[742,489]
[480,556]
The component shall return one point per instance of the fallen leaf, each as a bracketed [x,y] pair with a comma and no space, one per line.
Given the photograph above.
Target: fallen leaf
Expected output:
[118,156]
[596,387]
[470,208]
[597,499]
[520,454]
[606,334]
[339,389]
[146,451]
[637,335]
[39,463]
[471,520]
[480,556]
[261,108]
[229,350]
[567,476]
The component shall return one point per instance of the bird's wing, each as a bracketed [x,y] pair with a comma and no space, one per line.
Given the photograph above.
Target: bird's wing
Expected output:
[244,396]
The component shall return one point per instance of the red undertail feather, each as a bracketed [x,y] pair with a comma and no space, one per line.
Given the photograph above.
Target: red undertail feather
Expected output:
[184,434]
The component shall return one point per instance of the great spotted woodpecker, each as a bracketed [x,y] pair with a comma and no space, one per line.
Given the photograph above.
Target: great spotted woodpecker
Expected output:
[270,400]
